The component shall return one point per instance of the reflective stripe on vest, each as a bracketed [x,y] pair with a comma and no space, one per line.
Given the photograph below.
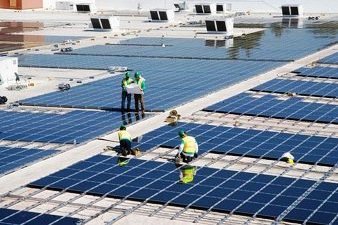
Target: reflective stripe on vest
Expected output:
[124,135]
[189,145]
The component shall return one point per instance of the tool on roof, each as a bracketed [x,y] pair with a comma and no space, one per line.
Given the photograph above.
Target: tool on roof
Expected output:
[173,116]
[64,87]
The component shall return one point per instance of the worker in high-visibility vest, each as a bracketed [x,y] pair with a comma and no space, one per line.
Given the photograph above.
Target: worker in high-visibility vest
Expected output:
[141,82]
[288,157]
[188,149]
[187,174]
[124,95]
[125,141]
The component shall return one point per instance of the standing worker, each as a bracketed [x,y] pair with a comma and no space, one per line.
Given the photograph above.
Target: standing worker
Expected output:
[125,82]
[140,81]
[188,149]
[125,141]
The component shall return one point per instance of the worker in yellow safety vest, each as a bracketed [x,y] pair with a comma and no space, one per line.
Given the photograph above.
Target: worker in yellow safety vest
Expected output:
[125,82]
[125,141]
[187,174]
[138,98]
[188,149]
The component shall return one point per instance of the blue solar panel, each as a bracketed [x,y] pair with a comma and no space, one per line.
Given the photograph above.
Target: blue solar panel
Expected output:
[307,88]
[14,217]
[216,190]
[169,82]
[75,126]
[331,59]
[11,158]
[264,45]
[270,106]
[318,71]
[247,142]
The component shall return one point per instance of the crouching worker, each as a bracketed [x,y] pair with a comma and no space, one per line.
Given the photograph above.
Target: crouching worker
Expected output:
[125,141]
[288,157]
[188,149]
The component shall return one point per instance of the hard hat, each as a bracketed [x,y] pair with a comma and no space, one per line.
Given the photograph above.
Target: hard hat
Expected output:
[181,133]
[127,74]
[137,74]
[122,127]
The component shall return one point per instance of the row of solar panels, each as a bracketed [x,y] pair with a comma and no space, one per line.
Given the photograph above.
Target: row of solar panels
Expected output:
[218,190]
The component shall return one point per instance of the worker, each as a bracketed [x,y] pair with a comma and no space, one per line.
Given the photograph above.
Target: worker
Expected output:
[125,141]
[188,149]
[140,81]
[187,174]
[288,157]
[125,82]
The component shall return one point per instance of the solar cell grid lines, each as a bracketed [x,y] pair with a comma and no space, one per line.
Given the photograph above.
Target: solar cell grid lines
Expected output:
[73,127]
[293,108]
[15,217]
[318,71]
[331,59]
[169,82]
[300,87]
[12,158]
[247,142]
[213,189]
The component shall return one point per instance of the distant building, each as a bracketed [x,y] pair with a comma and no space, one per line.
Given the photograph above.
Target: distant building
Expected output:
[21,4]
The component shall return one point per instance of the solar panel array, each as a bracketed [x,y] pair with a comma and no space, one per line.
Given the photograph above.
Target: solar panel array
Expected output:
[318,71]
[300,87]
[264,45]
[213,189]
[14,217]
[169,82]
[68,128]
[11,158]
[331,59]
[271,106]
[247,142]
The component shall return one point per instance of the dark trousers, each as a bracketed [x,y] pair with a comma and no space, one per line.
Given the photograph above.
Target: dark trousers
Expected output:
[125,96]
[125,147]
[139,98]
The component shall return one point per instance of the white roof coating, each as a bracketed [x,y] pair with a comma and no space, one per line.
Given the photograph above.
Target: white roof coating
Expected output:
[257,53]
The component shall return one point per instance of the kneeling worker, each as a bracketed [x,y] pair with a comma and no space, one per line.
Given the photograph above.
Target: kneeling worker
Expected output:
[125,141]
[188,149]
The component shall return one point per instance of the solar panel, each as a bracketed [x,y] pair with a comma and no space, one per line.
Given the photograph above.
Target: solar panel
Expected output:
[160,94]
[247,142]
[285,10]
[154,15]
[213,189]
[300,87]
[219,8]
[206,8]
[163,15]
[221,26]
[263,46]
[292,108]
[72,127]
[15,217]
[331,59]
[105,24]
[318,71]
[210,24]
[199,8]
[294,10]
[11,158]
[96,23]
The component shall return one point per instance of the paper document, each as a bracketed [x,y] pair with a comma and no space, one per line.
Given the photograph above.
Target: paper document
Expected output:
[134,89]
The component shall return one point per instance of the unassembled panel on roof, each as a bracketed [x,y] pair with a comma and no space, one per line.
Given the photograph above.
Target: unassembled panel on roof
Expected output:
[165,15]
